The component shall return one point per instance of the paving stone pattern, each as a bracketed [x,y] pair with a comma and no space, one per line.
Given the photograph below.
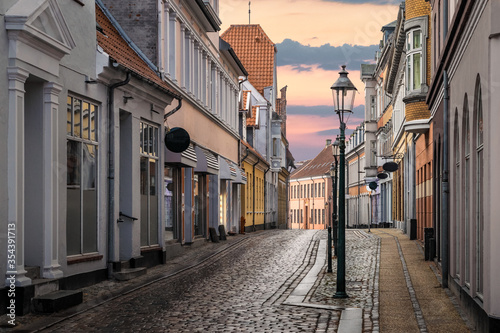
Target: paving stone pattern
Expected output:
[227,295]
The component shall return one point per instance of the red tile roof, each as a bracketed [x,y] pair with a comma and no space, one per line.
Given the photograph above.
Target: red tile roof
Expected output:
[256,52]
[318,166]
[117,48]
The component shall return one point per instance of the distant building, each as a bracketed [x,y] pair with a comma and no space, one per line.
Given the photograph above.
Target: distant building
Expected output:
[311,200]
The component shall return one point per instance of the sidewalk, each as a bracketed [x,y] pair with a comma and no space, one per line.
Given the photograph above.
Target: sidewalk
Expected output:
[411,297]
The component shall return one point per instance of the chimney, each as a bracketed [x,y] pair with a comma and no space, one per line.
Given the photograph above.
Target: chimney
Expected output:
[328,142]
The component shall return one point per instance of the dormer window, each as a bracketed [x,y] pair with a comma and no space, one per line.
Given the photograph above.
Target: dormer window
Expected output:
[414,60]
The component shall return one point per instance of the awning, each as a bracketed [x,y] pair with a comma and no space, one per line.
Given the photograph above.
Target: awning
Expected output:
[207,163]
[241,176]
[185,159]
[225,169]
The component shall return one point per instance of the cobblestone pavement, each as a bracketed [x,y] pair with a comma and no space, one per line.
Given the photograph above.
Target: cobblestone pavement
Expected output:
[240,291]
[246,284]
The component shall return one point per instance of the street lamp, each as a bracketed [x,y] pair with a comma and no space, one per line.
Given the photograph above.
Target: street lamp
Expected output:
[343,101]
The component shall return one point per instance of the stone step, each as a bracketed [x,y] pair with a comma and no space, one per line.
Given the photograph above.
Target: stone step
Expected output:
[129,273]
[57,300]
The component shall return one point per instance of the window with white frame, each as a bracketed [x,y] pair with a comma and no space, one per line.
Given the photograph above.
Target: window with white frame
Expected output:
[149,155]
[81,181]
[413,60]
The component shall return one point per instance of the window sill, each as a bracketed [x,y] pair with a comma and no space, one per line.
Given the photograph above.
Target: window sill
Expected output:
[83,258]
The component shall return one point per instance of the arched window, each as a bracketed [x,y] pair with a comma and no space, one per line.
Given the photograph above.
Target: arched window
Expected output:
[466,188]
[479,225]
[457,196]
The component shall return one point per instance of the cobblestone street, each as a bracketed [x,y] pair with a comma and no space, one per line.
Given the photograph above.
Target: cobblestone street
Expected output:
[273,281]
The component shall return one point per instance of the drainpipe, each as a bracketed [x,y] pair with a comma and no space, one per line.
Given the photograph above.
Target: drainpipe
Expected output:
[300,195]
[265,197]
[312,192]
[160,35]
[171,112]
[253,196]
[357,199]
[445,185]
[111,169]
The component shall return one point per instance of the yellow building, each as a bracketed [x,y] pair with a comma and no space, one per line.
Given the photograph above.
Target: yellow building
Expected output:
[253,193]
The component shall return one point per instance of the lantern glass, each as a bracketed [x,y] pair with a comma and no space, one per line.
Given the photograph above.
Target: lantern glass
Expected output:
[343,92]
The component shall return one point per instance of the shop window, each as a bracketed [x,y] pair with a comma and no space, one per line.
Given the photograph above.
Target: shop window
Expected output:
[81,182]
[148,183]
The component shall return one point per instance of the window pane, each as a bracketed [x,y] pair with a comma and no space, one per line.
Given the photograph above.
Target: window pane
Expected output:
[77,118]
[73,199]
[144,201]
[93,122]
[73,163]
[150,140]
[408,44]
[416,71]
[89,198]
[85,120]
[417,42]
[155,142]
[153,204]
[141,137]
[69,116]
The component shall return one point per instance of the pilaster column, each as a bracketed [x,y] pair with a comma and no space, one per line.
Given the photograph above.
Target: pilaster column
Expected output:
[15,174]
[50,167]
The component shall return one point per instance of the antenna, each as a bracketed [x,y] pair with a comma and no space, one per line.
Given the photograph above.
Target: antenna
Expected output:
[249,3]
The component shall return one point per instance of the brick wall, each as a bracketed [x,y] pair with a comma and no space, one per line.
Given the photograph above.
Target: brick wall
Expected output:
[139,20]
[417,110]
[416,8]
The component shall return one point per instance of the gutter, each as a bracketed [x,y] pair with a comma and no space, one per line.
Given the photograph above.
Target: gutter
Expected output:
[111,168]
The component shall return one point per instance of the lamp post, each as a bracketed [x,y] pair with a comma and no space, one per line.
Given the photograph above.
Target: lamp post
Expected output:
[334,175]
[343,100]
[329,246]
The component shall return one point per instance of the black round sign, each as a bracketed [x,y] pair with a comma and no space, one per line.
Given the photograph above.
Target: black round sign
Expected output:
[177,140]
[390,166]
[373,185]
[382,175]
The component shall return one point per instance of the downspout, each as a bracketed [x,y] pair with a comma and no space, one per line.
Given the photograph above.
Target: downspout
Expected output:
[253,196]
[445,184]
[445,187]
[300,195]
[357,199]
[171,112]
[265,197]
[313,193]
[111,168]
[160,35]
[324,199]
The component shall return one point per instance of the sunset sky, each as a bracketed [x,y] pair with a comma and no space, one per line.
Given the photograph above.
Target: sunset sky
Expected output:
[314,38]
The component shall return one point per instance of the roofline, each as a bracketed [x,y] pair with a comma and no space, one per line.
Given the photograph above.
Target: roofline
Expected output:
[225,46]
[208,15]
[124,35]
